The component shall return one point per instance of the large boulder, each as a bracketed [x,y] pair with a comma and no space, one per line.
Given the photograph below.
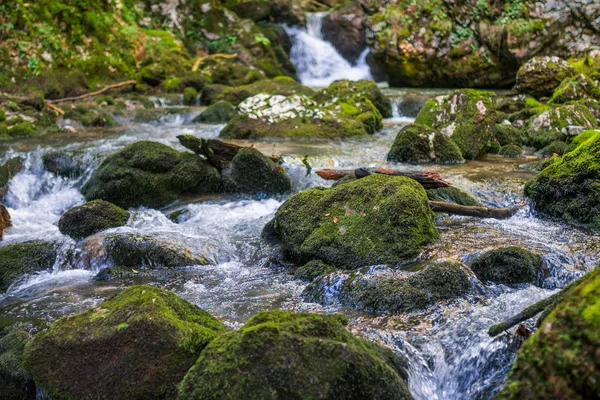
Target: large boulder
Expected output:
[345,28]
[420,144]
[138,344]
[467,116]
[150,174]
[540,76]
[374,220]
[508,265]
[24,258]
[218,113]
[561,360]
[15,383]
[89,218]
[555,123]
[579,87]
[283,86]
[352,92]
[251,172]
[570,187]
[278,354]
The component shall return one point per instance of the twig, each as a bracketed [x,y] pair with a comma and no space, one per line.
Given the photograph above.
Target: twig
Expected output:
[218,55]
[85,96]
[55,108]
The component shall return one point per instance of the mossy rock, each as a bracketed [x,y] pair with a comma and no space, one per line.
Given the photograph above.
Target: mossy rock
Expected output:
[581,138]
[7,171]
[508,134]
[452,194]
[560,361]
[15,382]
[89,218]
[540,76]
[190,96]
[551,125]
[218,113]
[558,148]
[69,164]
[251,172]
[138,344]
[235,95]
[508,265]
[313,269]
[511,151]
[24,258]
[411,104]
[418,144]
[354,91]
[493,147]
[374,220]
[569,188]
[150,174]
[575,88]
[23,129]
[467,116]
[180,216]
[278,354]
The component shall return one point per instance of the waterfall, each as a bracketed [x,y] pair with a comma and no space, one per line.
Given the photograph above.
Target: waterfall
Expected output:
[317,62]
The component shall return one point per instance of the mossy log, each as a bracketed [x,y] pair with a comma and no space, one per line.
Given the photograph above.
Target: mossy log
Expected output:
[429,180]
[5,221]
[473,211]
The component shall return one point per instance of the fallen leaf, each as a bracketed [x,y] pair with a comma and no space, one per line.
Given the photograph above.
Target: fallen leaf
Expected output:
[335,220]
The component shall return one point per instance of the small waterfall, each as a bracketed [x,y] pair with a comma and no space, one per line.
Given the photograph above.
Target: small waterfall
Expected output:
[317,62]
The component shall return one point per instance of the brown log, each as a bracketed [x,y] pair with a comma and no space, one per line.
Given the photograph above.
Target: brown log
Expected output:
[218,153]
[429,180]
[5,221]
[470,211]
[92,94]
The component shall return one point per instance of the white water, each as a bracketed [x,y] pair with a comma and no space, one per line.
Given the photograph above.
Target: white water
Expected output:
[317,62]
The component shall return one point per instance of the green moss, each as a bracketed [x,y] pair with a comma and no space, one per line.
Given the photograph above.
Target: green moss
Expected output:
[511,151]
[148,336]
[420,144]
[558,148]
[576,88]
[313,269]
[452,194]
[547,126]
[219,112]
[22,129]
[235,95]
[278,354]
[251,172]
[508,265]
[508,134]
[540,76]
[374,220]
[581,138]
[493,147]
[24,258]
[352,92]
[560,360]
[15,383]
[189,96]
[89,218]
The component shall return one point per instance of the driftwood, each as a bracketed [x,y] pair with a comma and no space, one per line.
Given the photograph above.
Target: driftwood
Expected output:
[429,180]
[473,211]
[218,55]
[544,306]
[219,154]
[55,108]
[5,221]
[92,94]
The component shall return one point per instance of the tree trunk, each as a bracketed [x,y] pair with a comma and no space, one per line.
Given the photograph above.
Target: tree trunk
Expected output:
[471,211]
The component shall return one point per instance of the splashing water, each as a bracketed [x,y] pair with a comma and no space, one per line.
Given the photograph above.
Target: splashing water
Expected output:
[317,62]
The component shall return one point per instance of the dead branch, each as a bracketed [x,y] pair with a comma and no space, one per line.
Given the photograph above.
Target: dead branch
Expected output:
[85,96]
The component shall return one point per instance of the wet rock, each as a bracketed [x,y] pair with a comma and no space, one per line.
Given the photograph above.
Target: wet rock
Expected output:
[508,265]
[352,92]
[313,269]
[283,86]
[452,194]
[547,126]
[218,113]
[411,104]
[418,144]
[345,28]
[69,164]
[89,218]
[540,76]
[5,220]
[467,116]
[375,220]
[15,382]
[569,188]
[279,354]
[24,258]
[149,337]
[251,172]
[561,359]
[508,134]
[579,87]
[511,151]
[179,216]
[150,174]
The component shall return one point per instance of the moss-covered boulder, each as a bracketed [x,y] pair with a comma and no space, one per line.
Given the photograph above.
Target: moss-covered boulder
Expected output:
[560,361]
[89,218]
[190,96]
[150,174]
[557,147]
[218,113]
[353,92]
[15,383]
[418,144]
[467,116]
[24,258]
[508,265]
[511,151]
[283,86]
[553,124]
[313,269]
[579,87]
[452,194]
[540,76]
[7,171]
[251,172]
[389,290]
[374,220]
[138,344]
[508,134]
[23,129]
[278,354]
[581,138]
[570,187]
[69,164]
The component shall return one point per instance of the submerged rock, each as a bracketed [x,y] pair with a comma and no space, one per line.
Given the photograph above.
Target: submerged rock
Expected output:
[553,124]
[138,344]
[150,174]
[561,361]
[466,116]
[89,218]
[24,258]
[278,354]
[251,172]
[508,265]
[570,187]
[375,220]
[15,382]
[540,76]
[419,144]
[219,112]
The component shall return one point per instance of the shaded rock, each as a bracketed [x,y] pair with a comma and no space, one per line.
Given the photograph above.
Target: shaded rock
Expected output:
[15,382]
[558,148]
[251,172]
[511,151]
[24,258]
[89,218]
[283,86]
[579,87]
[345,28]
[452,194]
[375,220]
[419,144]
[550,125]
[219,112]
[508,265]
[69,164]
[279,354]
[411,104]
[190,95]
[540,76]
[508,134]
[148,335]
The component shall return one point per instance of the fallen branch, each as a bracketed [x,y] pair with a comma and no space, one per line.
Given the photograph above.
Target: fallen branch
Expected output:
[85,96]
[473,211]
[5,221]
[58,110]
[429,180]
[544,306]
[218,55]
